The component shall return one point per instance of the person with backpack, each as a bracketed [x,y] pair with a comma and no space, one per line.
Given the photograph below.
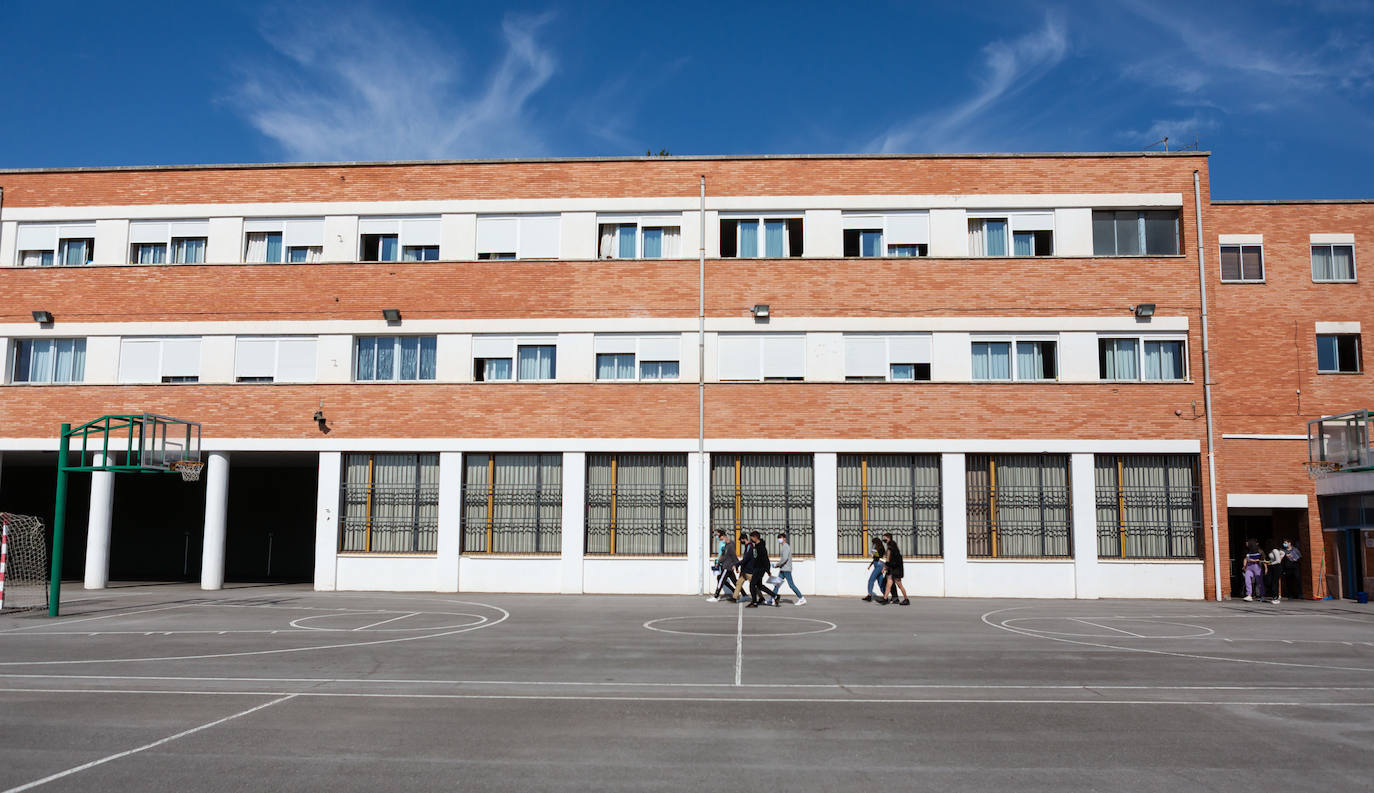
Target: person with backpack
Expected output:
[724,564]
[894,574]
[759,571]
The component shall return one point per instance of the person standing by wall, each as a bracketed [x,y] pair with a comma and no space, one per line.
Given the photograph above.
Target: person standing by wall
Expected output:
[785,570]
[1291,583]
[1253,570]
[1273,571]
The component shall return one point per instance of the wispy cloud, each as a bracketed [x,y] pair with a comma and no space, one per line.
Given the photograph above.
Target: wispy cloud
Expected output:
[1010,67]
[357,85]
[1179,131]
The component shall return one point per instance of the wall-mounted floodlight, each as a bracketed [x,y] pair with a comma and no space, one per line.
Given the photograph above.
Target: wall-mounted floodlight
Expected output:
[760,311]
[391,314]
[43,317]
[1144,310]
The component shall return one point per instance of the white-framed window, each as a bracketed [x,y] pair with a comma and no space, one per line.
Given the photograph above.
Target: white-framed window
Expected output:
[507,358]
[639,236]
[770,236]
[159,360]
[1338,353]
[1148,357]
[871,234]
[1018,358]
[1242,263]
[161,241]
[394,358]
[1333,263]
[761,356]
[398,239]
[518,236]
[1136,232]
[48,244]
[890,357]
[631,358]
[49,361]
[285,240]
[1010,234]
[274,359]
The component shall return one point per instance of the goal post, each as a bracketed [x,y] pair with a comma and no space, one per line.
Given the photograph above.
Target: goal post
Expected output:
[23,563]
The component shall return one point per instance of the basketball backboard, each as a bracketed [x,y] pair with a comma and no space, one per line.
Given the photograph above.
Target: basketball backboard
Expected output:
[1342,439]
[143,442]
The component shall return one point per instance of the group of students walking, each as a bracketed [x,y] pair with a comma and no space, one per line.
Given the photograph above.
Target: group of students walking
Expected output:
[751,566]
[886,568]
[1279,568]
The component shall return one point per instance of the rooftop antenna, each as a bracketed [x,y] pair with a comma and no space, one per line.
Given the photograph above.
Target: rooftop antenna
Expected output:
[1164,140]
[1191,146]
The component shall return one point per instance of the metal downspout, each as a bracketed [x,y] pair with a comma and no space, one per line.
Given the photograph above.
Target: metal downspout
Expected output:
[1207,390]
[702,521]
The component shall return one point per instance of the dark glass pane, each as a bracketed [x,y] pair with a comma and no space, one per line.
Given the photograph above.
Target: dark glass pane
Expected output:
[1104,234]
[1230,262]
[1161,232]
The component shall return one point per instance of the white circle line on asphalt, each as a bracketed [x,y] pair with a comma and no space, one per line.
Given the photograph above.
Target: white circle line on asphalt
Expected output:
[653,626]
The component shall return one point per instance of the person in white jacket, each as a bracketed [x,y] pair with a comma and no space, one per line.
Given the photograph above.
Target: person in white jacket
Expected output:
[784,566]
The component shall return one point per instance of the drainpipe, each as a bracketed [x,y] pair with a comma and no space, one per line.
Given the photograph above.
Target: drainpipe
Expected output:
[702,521]
[1207,390]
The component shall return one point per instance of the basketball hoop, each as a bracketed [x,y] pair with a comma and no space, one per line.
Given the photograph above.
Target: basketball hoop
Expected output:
[1321,469]
[189,469]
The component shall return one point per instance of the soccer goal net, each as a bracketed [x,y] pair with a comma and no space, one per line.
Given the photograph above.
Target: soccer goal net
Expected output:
[23,563]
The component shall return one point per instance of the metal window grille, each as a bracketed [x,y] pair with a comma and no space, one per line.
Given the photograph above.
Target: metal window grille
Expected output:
[513,503]
[1018,506]
[767,493]
[1149,506]
[390,503]
[637,504]
[890,493]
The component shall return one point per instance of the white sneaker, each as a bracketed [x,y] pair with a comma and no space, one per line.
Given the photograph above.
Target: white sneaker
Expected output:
[1274,601]
[1249,599]
[772,601]
[802,601]
[713,599]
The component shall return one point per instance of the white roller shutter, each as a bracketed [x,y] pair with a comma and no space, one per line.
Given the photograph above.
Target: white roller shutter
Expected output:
[496,234]
[865,356]
[784,356]
[258,225]
[739,357]
[614,344]
[138,360]
[379,226]
[303,233]
[76,230]
[493,347]
[908,228]
[1032,221]
[181,357]
[145,231]
[539,236]
[856,220]
[296,361]
[909,348]
[255,357]
[190,228]
[37,238]
[660,348]
[420,231]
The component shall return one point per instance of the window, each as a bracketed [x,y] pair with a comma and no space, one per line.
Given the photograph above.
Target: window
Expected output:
[761,356]
[1013,234]
[188,250]
[890,493]
[637,504]
[1333,262]
[1141,358]
[1134,232]
[148,253]
[49,361]
[420,253]
[767,493]
[640,237]
[265,359]
[67,244]
[380,248]
[752,238]
[868,234]
[1035,359]
[395,239]
[1148,506]
[497,358]
[161,360]
[656,357]
[1338,353]
[159,241]
[1018,505]
[513,503]
[518,236]
[863,242]
[878,358]
[295,240]
[394,358]
[1242,263]
[390,503]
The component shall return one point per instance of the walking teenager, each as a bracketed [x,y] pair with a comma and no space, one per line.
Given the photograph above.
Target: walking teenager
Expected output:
[745,567]
[876,577]
[785,569]
[759,572]
[725,562]
[894,573]
[1253,570]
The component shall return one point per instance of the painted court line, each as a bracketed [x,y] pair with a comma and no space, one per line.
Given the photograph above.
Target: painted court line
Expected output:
[739,643]
[145,747]
[1106,627]
[383,622]
[100,617]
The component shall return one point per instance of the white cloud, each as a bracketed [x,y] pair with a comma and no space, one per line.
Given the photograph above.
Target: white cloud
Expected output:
[1010,67]
[356,86]
[1179,131]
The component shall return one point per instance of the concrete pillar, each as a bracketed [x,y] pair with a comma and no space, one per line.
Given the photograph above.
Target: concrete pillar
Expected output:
[574,521]
[448,547]
[826,574]
[698,527]
[98,526]
[216,520]
[1083,495]
[953,503]
[327,522]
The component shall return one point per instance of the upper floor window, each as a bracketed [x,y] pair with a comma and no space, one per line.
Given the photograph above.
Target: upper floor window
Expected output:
[1034,359]
[1333,262]
[295,240]
[1012,234]
[398,239]
[395,358]
[1338,353]
[47,244]
[498,358]
[1141,358]
[1242,263]
[761,356]
[49,361]
[624,357]
[159,241]
[518,236]
[766,237]
[159,360]
[868,234]
[268,359]
[1136,232]
[640,237]
[898,357]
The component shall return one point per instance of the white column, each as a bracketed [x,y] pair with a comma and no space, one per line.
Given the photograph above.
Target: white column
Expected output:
[327,522]
[1083,492]
[449,546]
[216,520]
[574,521]
[698,527]
[826,577]
[98,526]
[954,522]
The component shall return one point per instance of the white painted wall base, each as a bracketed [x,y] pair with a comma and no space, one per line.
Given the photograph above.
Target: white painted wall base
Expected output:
[1155,580]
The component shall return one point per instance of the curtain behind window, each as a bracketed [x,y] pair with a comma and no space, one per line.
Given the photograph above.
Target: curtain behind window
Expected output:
[1163,360]
[991,360]
[1118,359]
[535,362]
[748,239]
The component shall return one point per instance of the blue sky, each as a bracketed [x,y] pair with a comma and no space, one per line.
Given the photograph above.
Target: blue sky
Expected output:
[1282,93]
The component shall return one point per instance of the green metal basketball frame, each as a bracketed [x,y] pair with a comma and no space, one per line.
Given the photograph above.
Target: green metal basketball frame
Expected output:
[145,439]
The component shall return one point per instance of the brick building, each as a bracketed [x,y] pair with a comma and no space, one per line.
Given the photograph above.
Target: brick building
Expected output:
[996,358]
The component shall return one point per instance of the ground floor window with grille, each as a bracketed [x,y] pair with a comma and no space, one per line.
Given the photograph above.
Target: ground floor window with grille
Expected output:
[513,503]
[637,504]
[1018,506]
[767,493]
[1149,506]
[889,493]
[390,503]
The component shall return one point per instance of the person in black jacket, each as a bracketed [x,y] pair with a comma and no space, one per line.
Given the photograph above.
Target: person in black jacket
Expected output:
[894,573]
[745,565]
[758,571]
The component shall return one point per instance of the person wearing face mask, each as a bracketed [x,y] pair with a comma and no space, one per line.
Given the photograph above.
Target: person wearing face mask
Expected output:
[1253,570]
[1273,571]
[1289,571]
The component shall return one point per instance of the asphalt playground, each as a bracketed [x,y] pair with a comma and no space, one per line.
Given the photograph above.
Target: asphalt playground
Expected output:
[276,688]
